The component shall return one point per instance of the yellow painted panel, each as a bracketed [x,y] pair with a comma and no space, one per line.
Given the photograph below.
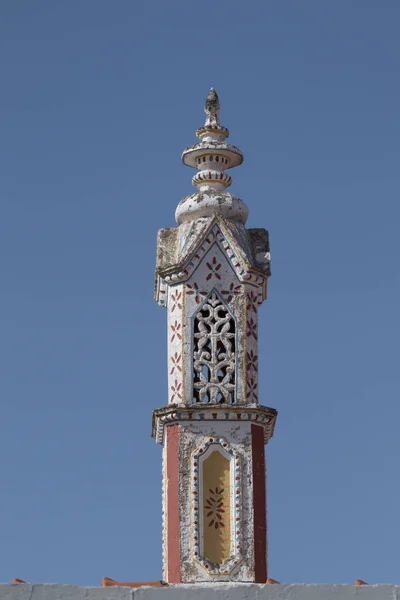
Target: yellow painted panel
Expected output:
[216,508]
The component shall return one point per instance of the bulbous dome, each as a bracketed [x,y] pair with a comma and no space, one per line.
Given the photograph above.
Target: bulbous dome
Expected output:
[211,202]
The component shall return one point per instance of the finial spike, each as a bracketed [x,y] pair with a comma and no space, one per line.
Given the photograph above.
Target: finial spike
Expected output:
[212,156]
[211,108]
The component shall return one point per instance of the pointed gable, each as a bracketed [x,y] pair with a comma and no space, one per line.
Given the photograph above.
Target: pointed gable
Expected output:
[181,250]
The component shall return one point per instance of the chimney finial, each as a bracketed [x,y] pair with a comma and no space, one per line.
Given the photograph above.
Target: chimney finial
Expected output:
[211,108]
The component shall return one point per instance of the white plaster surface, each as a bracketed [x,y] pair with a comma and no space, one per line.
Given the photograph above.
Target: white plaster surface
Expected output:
[227,591]
[210,202]
[238,435]
[176,357]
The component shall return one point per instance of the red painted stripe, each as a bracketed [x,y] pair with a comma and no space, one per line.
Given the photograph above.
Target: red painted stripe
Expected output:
[260,504]
[173,532]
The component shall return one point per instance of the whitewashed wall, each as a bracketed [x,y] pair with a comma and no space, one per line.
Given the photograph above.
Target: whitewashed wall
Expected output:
[231,591]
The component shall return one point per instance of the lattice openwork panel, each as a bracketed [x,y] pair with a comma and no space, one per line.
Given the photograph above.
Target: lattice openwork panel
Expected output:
[214,353]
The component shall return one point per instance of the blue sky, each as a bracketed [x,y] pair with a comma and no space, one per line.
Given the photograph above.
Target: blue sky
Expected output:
[98,100]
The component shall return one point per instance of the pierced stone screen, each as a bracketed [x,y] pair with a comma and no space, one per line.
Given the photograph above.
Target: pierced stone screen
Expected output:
[214,353]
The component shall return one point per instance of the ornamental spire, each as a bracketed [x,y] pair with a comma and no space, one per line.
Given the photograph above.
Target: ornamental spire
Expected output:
[212,157]
[211,276]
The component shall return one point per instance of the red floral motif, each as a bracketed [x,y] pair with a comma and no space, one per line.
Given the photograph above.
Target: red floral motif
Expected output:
[252,361]
[252,301]
[176,299]
[252,388]
[214,268]
[194,290]
[234,290]
[176,390]
[176,329]
[214,505]
[176,359]
[252,329]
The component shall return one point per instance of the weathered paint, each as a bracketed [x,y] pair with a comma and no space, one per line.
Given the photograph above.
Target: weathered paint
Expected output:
[211,277]
[260,505]
[216,509]
[192,437]
[173,516]
[233,591]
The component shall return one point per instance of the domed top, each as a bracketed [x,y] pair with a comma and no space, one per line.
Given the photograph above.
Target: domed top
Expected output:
[209,203]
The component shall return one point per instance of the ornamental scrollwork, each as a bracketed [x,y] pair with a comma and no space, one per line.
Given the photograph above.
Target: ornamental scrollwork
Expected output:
[214,353]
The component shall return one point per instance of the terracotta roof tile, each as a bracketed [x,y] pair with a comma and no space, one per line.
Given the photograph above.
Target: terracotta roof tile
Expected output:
[107,582]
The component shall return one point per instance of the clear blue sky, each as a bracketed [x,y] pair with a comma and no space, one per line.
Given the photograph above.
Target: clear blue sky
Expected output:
[98,100]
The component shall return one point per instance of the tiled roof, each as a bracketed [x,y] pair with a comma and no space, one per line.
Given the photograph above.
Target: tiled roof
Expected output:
[107,582]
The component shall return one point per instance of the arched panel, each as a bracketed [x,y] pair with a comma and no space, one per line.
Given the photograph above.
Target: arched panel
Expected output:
[217,507]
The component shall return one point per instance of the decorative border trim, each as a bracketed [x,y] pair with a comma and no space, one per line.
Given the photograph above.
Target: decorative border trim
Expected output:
[236,558]
[191,153]
[215,232]
[167,415]
[211,176]
[216,129]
